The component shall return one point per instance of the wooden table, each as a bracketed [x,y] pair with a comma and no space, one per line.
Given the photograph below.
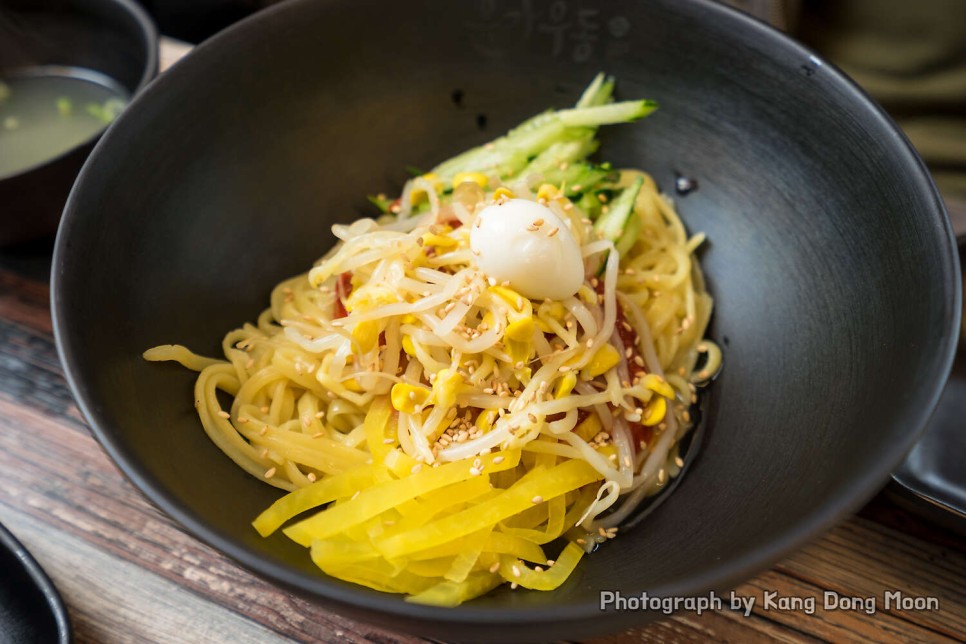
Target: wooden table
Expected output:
[129,574]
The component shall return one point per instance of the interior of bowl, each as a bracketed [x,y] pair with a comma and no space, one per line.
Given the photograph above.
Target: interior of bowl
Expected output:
[829,257]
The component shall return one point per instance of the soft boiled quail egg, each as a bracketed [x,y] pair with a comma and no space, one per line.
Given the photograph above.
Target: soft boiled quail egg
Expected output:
[526,244]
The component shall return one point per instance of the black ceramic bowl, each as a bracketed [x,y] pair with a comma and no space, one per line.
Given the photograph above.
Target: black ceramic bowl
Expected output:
[114,38]
[31,609]
[830,257]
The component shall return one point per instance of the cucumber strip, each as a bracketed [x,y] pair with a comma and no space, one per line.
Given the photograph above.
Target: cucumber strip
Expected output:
[623,112]
[580,177]
[380,202]
[511,153]
[598,92]
[507,155]
[562,152]
[612,224]
[631,231]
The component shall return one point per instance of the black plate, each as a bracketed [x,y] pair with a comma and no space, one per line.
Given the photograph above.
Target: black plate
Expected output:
[932,480]
[31,609]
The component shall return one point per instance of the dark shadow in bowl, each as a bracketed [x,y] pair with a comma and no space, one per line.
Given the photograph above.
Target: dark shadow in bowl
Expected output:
[830,259]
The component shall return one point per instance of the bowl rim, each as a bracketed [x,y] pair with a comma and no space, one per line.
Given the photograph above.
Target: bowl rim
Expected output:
[149,36]
[727,574]
[52,598]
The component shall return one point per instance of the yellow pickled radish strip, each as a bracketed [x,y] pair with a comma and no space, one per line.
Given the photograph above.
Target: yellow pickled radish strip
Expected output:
[449,593]
[515,571]
[547,484]
[506,544]
[342,551]
[556,509]
[497,543]
[465,561]
[399,463]
[379,498]
[377,424]
[442,500]
[434,568]
[377,574]
[319,493]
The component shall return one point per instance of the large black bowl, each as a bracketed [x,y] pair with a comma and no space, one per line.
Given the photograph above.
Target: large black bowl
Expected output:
[830,257]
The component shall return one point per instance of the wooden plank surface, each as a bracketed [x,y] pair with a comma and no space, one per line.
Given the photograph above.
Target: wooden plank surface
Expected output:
[129,574]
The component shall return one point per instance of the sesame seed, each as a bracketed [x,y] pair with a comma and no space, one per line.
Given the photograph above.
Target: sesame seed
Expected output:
[320,415]
[270,473]
[661,475]
[264,410]
[580,541]
[514,585]
[311,477]
[263,430]
[537,499]
[475,472]
[498,460]
[533,418]
[516,570]
[387,441]
[415,468]
[224,414]
[495,567]
[678,461]
[318,435]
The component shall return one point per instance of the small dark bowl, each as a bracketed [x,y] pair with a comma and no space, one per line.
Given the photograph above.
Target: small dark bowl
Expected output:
[113,37]
[31,609]
[830,257]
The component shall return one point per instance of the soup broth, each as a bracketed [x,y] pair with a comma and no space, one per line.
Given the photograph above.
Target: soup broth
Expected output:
[45,112]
